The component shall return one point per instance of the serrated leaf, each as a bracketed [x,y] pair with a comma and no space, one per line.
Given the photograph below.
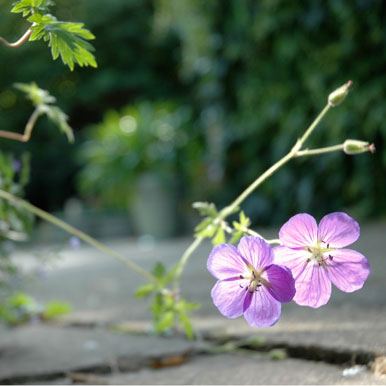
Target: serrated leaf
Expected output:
[220,237]
[244,220]
[42,100]
[66,39]
[35,94]
[59,118]
[205,208]
[144,290]
[27,6]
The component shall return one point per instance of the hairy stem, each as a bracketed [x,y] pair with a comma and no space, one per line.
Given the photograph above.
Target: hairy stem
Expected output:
[323,150]
[18,43]
[76,232]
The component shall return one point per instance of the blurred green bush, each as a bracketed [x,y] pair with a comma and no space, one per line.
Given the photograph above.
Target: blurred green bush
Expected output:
[261,71]
[139,139]
[255,75]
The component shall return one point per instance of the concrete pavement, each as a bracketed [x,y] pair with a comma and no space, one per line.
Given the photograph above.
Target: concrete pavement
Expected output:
[321,344]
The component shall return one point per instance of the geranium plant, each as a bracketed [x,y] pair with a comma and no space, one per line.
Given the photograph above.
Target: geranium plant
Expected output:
[253,279]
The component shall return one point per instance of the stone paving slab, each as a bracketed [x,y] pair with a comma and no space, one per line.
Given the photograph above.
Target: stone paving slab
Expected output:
[40,350]
[101,291]
[231,369]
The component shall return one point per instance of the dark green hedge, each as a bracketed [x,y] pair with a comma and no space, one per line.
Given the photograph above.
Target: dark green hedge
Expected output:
[255,72]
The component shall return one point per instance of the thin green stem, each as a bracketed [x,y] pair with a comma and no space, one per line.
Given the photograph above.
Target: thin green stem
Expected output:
[230,208]
[322,150]
[253,233]
[313,125]
[76,232]
[185,257]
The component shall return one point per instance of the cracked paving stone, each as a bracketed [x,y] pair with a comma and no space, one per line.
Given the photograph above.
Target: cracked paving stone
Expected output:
[44,350]
[231,369]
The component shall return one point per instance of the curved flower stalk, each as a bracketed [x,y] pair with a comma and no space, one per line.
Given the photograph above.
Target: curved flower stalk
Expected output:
[317,257]
[249,283]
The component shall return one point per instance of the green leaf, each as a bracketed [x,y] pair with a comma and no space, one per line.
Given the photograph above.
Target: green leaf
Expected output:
[36,95]
[205,208]
[236,237]
[159,270]
[170,275]
[220,237]
[244,220]
[166,321]
[145,290]
[205,228]
[27,6]
[67,40]
[188,328]
[156,307]
[55,309]
[43,101]
[183,305]
[59,118]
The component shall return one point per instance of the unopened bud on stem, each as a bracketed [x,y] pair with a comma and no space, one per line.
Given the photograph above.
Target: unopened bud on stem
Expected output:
[353,146]
[337,96]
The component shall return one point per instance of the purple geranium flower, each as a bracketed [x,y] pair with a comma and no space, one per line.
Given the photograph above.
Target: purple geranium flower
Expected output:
[316,258]
[248,282]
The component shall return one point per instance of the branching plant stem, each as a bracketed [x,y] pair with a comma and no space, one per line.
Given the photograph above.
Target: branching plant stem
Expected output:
[295,152]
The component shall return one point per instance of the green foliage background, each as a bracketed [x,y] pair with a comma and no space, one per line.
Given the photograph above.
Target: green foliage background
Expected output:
[255,73]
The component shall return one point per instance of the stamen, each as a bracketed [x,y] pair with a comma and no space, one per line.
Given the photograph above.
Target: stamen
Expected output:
[330,257]
[241,286]
[241,277]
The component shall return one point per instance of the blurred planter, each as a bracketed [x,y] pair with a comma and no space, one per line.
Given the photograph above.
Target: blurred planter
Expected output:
[154,206]
[131,160]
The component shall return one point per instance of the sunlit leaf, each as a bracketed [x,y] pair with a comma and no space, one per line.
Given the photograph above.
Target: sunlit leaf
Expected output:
[145,290]
[28,6]
[66,39]
[43,101]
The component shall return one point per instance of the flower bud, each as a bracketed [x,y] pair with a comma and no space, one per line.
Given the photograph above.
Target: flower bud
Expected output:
[353,146]
[337,96]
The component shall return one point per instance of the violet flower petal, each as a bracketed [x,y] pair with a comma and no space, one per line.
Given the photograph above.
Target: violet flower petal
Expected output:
[229,297]
[282,284]
[264,310]
[294,259]
[256,251]
[313,286]
[348,270]
[299,231]
[225,262]
[338,230]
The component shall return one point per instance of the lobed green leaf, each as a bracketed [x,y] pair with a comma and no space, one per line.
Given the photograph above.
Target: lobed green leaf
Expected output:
[66,39]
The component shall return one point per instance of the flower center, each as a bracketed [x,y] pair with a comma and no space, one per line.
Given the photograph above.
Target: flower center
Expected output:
[319,255]
[255,279]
